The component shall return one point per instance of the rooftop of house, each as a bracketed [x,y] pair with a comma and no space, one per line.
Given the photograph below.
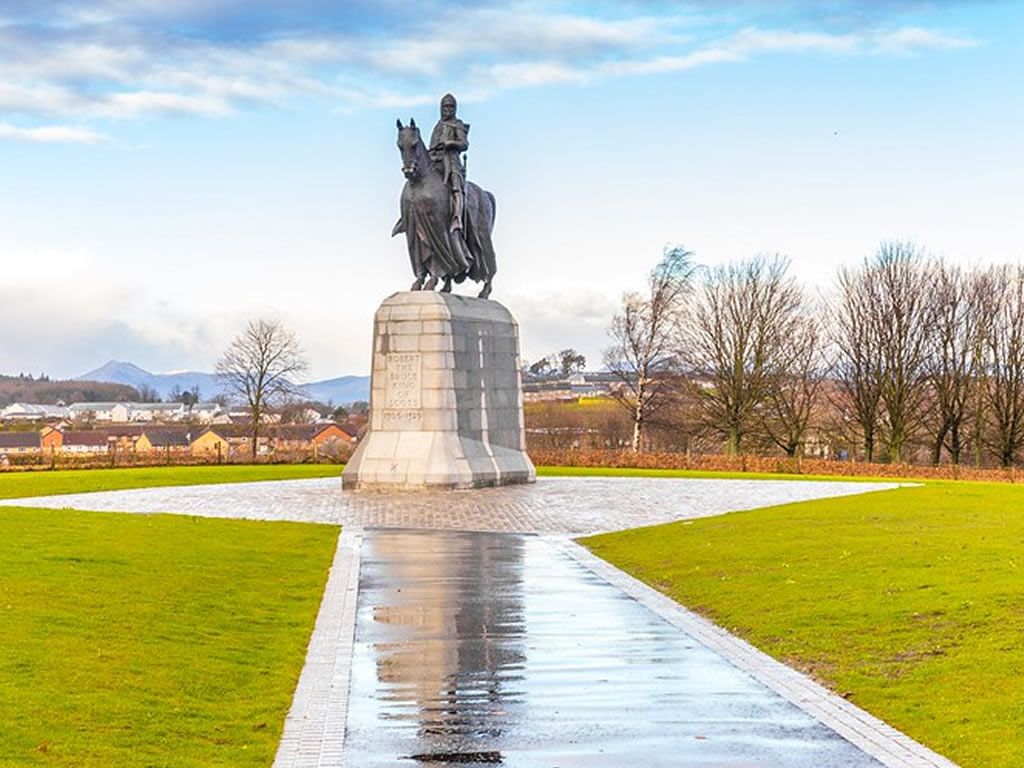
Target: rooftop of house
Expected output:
[87,407]
[169,437]
[92,437]
[20,440]
[293,432]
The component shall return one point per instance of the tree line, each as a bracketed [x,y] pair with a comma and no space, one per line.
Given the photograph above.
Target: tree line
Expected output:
[906,355]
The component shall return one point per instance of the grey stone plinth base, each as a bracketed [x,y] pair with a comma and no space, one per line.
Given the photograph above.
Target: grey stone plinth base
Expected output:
[446,400]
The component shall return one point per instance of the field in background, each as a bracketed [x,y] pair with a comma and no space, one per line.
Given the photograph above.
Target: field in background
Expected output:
[906,602]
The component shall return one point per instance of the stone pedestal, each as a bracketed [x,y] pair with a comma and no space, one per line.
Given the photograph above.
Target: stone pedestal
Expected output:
[446,401]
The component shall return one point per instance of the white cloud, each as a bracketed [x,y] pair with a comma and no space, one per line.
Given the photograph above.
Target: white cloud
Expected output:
[24,268]
[917,39]
[551,321]
[131,104]
[119,320]
[51,134]
[118,59]
[533,73]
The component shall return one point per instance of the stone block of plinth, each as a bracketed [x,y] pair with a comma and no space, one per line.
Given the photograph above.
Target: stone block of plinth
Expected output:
[445,397]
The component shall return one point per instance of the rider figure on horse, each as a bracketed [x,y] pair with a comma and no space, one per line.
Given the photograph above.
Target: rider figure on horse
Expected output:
[447,143]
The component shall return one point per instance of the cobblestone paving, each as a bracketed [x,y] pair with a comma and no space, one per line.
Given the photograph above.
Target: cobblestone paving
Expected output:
[553,505]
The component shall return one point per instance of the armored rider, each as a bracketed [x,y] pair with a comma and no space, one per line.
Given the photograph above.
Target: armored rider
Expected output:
[447,143]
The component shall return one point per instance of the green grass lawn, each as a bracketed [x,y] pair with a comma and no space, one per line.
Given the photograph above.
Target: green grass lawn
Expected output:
[910,602]
[20,485]
[151,640]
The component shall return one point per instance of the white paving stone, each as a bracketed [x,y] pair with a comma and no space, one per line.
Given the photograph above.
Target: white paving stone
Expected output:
[574,505]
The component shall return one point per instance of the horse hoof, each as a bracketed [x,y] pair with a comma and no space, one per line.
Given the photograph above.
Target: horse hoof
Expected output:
[417,285]
[447,288]
[431,284]
[485,293]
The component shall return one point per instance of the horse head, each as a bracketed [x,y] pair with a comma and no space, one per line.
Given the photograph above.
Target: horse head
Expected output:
[410,144]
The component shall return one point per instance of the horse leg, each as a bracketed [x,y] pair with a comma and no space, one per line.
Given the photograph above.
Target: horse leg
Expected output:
[417,284]
[485,292]
[431,284]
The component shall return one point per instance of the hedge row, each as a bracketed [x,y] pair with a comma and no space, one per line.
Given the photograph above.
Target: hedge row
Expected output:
[32,462]
[764,464]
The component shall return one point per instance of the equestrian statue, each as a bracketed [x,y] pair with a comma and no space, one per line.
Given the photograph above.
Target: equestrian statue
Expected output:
[447,221]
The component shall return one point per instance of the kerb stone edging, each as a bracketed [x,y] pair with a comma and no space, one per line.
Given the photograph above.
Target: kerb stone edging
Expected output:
[314,729]
[889,746]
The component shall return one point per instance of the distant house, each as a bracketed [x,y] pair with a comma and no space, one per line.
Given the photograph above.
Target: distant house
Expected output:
[114,413]
[51,438]
[303,436]
[20,442]
[351,430]
[243,415]
[204,413]
[164,439]
[123,437]
[239,437]
[571,387]
[309,416]
[33,412]
[210,442]
[86,441]
[149,412]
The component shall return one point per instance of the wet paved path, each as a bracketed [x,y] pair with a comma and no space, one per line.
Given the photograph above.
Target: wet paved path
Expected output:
[437,645]
[483,648]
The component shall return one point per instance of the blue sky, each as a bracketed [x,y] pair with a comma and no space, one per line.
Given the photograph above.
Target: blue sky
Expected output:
[172,168]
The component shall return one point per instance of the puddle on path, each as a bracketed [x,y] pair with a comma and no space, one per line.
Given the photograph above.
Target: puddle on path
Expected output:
[496,649]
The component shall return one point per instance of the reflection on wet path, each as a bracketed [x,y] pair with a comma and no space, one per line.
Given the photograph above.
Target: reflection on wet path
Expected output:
[496,649]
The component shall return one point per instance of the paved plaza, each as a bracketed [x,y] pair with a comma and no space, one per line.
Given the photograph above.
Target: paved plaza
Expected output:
[554,505]
[468,628]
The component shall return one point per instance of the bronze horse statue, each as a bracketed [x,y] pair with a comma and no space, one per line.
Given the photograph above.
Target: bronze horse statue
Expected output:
[436,251]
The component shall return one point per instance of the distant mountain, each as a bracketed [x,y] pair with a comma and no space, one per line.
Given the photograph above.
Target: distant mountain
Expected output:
[130,374]
[345,389]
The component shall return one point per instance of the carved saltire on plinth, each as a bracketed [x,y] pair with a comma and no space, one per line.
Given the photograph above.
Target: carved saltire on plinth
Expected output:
[446,400]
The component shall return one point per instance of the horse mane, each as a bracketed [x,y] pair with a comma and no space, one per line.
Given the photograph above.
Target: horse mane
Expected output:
[421,146]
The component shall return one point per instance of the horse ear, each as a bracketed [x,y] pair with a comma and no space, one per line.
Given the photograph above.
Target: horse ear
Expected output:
[398,123]
[412,122]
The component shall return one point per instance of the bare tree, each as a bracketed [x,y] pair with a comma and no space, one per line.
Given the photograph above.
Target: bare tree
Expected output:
[540,369]
[743,313]
[260,367]
[901,276]
[188,397]
[794,392]
[852,321]
[880,325]
[1003,363]
[148,394]
[952,359]
[570,361]
[644,335]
